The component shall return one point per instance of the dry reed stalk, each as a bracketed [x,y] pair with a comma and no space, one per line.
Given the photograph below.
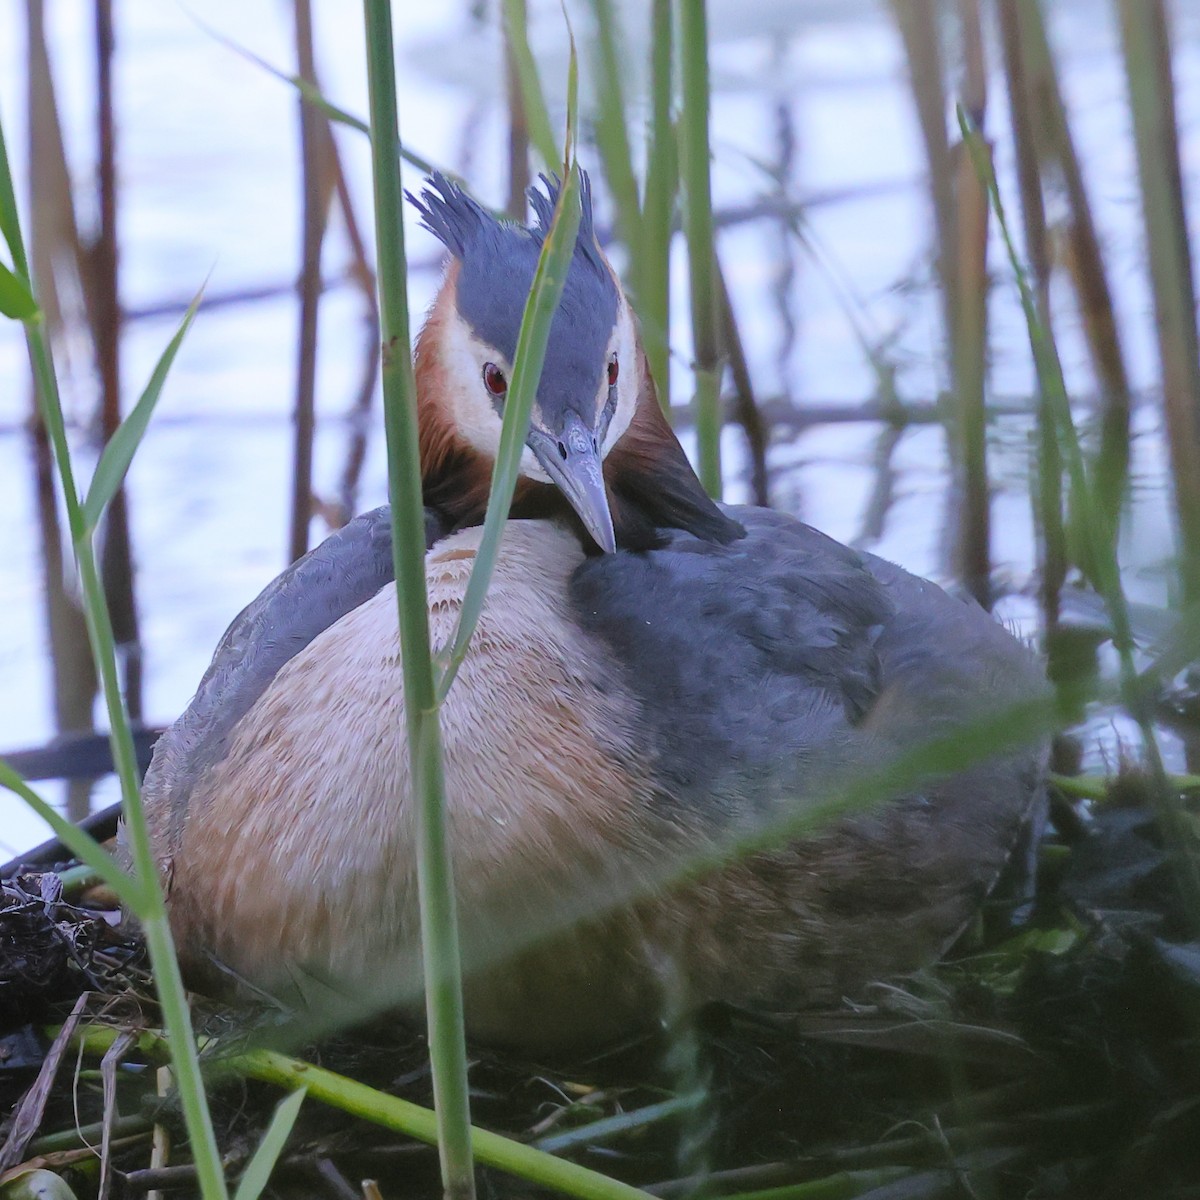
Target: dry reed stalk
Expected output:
[518,139]
[1052,548]
[53,236]
[315,139]
[970,496]
[1146,39]
[1083,256]
[917,23]
[745,406]
[102,258]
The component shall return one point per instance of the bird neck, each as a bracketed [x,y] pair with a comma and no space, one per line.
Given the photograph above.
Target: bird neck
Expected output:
[651,485]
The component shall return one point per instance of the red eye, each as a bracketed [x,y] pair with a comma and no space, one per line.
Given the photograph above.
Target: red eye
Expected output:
[614,369]
[494,381]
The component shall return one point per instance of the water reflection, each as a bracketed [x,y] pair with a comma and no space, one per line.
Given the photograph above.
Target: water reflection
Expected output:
[826,241]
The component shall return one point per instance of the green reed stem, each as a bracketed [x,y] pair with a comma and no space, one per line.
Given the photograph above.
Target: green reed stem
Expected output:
[536,112]
[439,922]
[533,1166]
[658,207]
[612,132]
[698,224]
[389,1112]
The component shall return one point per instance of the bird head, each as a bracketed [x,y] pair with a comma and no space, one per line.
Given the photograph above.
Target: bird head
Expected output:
[598,442]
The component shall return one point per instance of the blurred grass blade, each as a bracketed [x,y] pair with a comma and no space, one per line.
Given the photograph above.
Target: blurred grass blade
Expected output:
[258,1171]
[698,224]
[554,261]
[1049,119]
[1046,362]
[572,130]
[78,841]
[10,221]
[314,96]
[516,30]
[121,447]
[16,301]
[612,133]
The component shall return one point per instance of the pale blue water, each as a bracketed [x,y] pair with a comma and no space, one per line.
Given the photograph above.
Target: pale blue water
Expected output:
[209,182]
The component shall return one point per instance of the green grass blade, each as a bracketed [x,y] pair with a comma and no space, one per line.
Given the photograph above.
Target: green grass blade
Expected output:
[542,1170]
[845,1185]
[572,131]
[1097,556]
[16,300]
[10,220]
[258,1170]
[539,313]
[536,113]
[147,902]
[78,841]
[314,96]
[385,1111]
[658,211]
[698,225]
[435,881]
[612,134]
[595,1132]
[121,447]
[530,356]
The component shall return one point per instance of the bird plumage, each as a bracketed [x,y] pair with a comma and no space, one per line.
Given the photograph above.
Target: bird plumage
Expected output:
[619,716]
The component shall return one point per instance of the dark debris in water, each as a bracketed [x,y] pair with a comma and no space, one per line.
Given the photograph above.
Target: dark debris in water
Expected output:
[1055,1057]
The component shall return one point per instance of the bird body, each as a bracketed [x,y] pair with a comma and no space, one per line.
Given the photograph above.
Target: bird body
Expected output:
[620,717]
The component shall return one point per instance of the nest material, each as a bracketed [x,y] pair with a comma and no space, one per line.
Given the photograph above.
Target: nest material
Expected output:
[52,949]
[1058,1059]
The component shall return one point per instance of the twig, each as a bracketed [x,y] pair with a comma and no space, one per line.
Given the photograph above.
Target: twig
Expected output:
[28,1114]
[745,410]
[597,1132]
[108,1077]
[883,490]
[334,1180]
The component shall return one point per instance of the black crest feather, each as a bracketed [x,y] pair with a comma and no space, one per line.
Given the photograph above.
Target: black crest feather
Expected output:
[543,204]
[462,224]
[453,217]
